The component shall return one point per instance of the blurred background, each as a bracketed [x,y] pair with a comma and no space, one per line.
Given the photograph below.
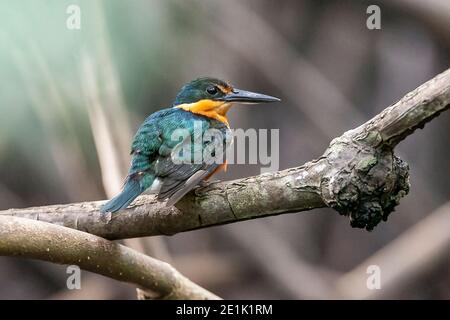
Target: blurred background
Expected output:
[71,99]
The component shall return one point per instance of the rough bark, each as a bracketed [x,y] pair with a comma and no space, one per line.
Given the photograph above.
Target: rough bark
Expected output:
[358,175]
[48,242]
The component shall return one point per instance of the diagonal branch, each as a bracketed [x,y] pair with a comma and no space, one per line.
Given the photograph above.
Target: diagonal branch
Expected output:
[48,242]
[358,175]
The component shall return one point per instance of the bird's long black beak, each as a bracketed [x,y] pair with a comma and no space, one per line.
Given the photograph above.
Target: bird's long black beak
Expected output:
[243,96]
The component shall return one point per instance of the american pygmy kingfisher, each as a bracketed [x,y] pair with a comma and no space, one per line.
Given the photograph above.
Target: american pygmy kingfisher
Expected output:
[203,101]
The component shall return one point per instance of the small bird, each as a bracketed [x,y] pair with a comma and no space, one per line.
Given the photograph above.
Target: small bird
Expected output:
[203,101]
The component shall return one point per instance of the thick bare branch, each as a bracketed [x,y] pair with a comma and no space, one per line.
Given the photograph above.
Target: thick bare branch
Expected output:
[358,175]
[48,242]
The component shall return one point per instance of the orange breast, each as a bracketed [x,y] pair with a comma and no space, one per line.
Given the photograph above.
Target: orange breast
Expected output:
[209,108]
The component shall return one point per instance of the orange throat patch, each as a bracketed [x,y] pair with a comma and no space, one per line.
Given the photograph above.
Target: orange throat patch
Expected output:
[209,108]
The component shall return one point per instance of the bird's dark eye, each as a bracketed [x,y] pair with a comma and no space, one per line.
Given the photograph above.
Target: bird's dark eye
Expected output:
[212,90]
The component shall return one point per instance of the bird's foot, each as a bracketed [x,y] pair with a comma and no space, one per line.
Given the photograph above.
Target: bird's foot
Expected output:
[206,183]
[203,183]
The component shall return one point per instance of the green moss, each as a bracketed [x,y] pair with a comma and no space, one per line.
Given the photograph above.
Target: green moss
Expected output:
[367,163]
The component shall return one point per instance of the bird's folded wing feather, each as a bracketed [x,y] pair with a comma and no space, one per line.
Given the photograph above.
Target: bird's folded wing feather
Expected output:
[180,174]
[156,154]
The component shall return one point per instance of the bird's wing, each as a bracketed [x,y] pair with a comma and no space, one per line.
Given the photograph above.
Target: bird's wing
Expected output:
[157,156]
[180,173]
[174,188]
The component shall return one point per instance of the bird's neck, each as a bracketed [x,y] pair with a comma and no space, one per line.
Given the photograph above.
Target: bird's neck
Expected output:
[209,108]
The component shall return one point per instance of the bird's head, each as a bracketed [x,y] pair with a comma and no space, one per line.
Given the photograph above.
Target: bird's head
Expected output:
[213,98]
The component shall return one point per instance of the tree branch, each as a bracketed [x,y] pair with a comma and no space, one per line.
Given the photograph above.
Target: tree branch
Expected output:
[358,175]
[48,242]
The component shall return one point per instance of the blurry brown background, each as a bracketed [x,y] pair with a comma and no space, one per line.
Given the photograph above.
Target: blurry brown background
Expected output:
[70,101]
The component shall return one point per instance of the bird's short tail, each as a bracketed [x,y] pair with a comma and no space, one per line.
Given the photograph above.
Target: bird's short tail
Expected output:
[131,190]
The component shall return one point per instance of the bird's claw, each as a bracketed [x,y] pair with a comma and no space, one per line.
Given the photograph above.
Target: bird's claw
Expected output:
[206,183]
[203,184]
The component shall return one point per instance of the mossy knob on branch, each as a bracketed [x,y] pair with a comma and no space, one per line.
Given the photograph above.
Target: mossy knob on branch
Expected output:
[363,182]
